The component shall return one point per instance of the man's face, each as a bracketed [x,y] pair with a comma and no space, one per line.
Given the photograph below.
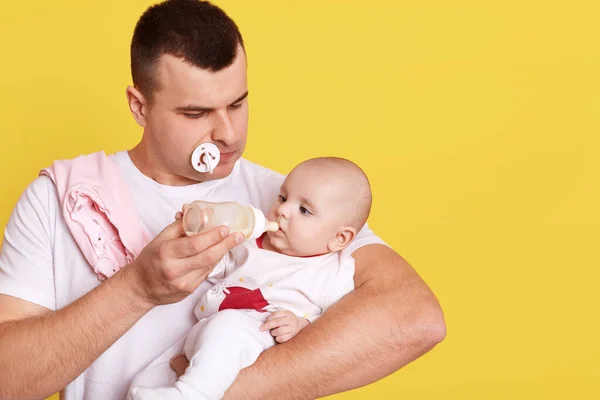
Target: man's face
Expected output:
[194,106]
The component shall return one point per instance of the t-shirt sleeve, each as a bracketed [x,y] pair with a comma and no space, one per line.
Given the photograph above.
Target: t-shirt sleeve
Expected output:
[340,282]
[364,237]
[26,258]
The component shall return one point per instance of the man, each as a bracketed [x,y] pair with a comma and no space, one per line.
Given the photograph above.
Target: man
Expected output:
[62,329]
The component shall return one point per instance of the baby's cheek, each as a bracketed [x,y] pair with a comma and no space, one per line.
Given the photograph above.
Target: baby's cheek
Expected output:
[271,215]
[308,240]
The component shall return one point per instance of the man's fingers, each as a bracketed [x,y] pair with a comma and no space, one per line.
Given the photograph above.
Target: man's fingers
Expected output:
[195,273]
[191,246]
[213,254]
[172,231]
[189,273]
[179,364]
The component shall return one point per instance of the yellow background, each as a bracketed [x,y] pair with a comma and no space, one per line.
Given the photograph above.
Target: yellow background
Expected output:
[477,122]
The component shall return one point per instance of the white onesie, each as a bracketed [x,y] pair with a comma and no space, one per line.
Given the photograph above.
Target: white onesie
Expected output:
[248,285]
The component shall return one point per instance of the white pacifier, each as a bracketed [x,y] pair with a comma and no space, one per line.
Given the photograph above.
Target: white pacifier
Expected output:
[206,157]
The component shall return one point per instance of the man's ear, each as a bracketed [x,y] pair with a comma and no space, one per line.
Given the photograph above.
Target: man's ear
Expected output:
[137,105]
[342,238]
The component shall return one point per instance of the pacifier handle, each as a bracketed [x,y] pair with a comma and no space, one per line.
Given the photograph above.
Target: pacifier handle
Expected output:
[206,157]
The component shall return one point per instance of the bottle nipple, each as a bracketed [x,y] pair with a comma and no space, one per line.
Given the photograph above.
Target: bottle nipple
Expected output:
[272,226]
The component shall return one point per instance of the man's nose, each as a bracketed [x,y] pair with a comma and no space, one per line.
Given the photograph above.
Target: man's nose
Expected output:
[223,131]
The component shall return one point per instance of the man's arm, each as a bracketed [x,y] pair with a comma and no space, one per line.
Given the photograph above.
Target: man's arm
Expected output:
[42,351]
[389,320]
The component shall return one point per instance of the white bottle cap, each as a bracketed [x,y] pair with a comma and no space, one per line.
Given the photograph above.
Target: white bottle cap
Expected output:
[260,223]
[211,158]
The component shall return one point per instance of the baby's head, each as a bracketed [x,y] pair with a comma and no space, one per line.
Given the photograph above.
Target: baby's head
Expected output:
[323,203]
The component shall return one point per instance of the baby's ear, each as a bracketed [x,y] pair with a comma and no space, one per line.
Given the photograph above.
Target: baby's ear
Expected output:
[342,238]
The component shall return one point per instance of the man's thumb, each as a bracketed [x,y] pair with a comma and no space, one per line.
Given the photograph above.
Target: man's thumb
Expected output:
[173,230]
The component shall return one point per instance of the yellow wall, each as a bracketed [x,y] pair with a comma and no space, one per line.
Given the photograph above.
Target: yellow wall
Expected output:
[477,121]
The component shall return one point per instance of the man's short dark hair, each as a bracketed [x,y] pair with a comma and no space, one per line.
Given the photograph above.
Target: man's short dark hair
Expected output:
[196,31]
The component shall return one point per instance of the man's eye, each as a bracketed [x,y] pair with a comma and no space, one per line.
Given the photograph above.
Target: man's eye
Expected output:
[195,115]
[234,106]
[282,198]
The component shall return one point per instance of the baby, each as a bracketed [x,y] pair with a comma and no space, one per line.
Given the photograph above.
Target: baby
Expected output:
[266,291]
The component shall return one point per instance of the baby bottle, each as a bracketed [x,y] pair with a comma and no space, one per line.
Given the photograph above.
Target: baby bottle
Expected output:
[200,216]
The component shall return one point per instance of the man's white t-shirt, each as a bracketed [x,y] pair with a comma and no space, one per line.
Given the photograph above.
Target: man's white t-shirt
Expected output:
[41,263]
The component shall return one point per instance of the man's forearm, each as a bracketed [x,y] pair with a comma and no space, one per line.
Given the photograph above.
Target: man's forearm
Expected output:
[42,354]
[384,324]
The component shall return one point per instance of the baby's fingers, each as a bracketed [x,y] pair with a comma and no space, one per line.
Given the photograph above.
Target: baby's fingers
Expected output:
[282,330]
[280,314]
[272,324]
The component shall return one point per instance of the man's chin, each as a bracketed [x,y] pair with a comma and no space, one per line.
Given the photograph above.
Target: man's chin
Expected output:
[222,171]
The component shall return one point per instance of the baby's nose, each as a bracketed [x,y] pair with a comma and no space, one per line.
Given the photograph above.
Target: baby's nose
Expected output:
[282,211]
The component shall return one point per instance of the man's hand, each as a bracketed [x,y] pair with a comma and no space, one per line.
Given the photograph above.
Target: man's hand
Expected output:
[173,265]
[61,344]
[284,325]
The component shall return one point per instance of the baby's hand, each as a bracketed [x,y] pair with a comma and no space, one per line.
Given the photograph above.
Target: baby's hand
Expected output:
[284,325]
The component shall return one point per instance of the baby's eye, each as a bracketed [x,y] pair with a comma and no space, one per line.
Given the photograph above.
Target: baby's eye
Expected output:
[303,210]
[282,198]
